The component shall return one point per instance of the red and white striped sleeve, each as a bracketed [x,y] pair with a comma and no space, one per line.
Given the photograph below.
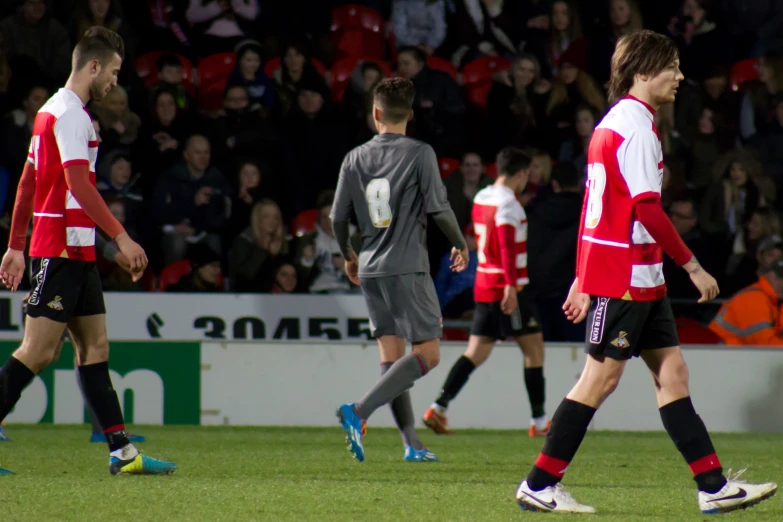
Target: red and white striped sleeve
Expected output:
[73,133]
[639,158]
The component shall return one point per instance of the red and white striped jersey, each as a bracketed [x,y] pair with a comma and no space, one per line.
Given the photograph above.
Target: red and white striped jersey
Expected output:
[617,256]
[63,135]
[493,207]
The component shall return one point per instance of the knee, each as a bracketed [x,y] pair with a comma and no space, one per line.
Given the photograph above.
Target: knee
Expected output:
[432,360]
[674,376]
[604,385]
[36,358]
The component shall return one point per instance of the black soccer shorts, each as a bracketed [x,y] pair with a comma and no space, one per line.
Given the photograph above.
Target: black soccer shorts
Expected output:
[490,321]
[621,329]
[64,288]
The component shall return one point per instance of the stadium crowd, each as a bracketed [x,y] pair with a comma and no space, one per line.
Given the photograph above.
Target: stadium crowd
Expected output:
[222,146]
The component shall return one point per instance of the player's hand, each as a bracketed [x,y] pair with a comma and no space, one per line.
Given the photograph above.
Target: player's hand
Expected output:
[459,259]
[704,282]
[137,259]
[12,268]
[577,304]
[509,302]
[124,263]
[352,269]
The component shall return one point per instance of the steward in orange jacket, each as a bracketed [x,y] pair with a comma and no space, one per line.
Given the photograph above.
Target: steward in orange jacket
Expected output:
[754,315]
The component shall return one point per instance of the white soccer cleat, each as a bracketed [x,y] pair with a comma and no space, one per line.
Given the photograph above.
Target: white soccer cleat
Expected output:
[551,499]
[736,494]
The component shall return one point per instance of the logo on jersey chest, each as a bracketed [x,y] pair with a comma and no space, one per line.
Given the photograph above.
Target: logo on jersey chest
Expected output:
[599,320]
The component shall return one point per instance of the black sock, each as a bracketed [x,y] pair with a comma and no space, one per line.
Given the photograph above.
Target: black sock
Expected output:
[534,382]
[100,395]
[14,377]
[457,378]
[96,426]
[569,425]
[690,436]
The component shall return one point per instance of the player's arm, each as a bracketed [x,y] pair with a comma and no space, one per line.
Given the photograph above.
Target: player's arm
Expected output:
[342,208]
[23,208]
[506,229]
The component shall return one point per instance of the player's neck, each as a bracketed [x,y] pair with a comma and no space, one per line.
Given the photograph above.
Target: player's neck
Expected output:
[392,129]
[642,94]
[506,181]
[82,89]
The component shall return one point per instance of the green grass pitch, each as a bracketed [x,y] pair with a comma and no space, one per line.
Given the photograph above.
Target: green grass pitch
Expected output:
[303,474]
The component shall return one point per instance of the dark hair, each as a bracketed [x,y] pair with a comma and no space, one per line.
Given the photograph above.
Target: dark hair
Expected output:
[417,53]
[566,174]
[646,53]
[395,97]
[688,201]
[324,199]
[511,160]
[167,60]
[98,43]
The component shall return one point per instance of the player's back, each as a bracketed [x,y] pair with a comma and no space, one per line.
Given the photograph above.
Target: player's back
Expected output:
[618,257]
[493,207]
[63,135]
[393,182]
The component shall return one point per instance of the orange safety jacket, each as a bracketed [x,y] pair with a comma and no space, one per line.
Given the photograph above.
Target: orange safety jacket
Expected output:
[754,316]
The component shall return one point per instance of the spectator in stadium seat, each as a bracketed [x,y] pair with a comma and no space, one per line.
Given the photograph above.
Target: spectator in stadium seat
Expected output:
[250,188]
[704,147]
[116,179]
[701,41]
[249,73]
[258,250]
[482,28]
[574,149]
[32,34]
[104,13]
[222,23]
[205,273]
[357,99]
[624,18]
[295,68]
[743,263]
[119,125]
[161,138]
[754,316]
[714,93]
[564,30]
[463,185]
[316,141]
[286,279]
[539,173]
[757,103]
[516,107]
[170,77]
[419,23]
[455,289]
[770,145]
[191,202]
[320,260]
[571,88]
[16,132]
[553,227]
[438,109]
[113,277]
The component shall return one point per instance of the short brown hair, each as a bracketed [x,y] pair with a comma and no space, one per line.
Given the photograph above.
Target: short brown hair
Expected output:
[645,52]
[511,160]
[395,97]
[98,43]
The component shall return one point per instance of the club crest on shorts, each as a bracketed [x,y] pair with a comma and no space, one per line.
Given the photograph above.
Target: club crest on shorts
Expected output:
[599,319]
[621,341]
[55,304]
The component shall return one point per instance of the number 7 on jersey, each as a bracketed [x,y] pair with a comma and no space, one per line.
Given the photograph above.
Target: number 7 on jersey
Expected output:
[378,193]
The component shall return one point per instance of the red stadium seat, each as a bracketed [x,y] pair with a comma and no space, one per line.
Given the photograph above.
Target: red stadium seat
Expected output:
[477,77]
[691,331]
[358,31]
[304,222]
[447,166]
[356,17]
[215,66]
[172,273]
[491,170]
[439,64]
[343,69]
[273,64]
[147,69]
[454,334]
[743,71]
[210,94]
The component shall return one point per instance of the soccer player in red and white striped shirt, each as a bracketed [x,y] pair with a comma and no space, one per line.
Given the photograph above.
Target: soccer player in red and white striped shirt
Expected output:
[623,234]
[57,189]
[503,309]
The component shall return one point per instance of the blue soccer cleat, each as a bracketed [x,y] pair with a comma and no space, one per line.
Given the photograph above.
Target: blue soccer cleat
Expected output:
[353,427]
[140,465]
[422,455]
[133,439]
[5,472]
[3,436]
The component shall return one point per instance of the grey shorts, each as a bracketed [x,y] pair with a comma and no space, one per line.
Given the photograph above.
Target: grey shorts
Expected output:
[403,305]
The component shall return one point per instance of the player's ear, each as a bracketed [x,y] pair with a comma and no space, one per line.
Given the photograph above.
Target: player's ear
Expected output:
[95,67]
[376,113]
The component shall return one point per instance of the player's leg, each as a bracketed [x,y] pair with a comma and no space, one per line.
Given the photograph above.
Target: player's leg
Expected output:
[392,349]
[608,321]
[524,324]
[478,351]
[686,429]
[87,329]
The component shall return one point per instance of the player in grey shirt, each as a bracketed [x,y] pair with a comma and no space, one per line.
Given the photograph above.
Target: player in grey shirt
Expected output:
[391,183]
